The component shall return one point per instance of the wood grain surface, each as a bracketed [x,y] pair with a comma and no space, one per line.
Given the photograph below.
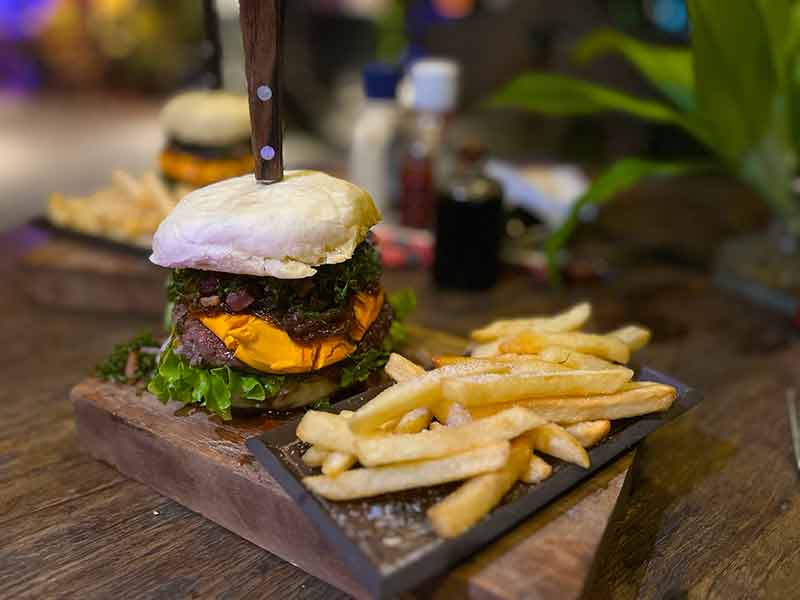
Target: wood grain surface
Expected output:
[62,273]
[262,39]
[713,511]
[205,466]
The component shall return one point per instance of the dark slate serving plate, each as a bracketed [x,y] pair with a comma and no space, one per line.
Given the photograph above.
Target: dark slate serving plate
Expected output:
[45,224]
[388,542]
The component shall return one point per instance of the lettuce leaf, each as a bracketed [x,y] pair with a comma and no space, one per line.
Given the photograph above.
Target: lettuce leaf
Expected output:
[404,302]
[216,390]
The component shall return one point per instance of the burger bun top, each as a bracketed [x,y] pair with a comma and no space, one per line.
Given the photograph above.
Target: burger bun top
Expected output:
[210,118]
[283,230]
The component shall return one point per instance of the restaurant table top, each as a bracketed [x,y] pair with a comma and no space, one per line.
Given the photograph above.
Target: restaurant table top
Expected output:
[713,510]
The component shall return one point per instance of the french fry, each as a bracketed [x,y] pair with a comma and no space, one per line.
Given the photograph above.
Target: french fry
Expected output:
[326,429]
[444,360]
[633,336]
[363,483]
[460,510]
[457,415]
[487,349]
[490,388]
[441,410]
[537,471]
[160,195]
[423,391]
[129,210]
[604,346]
[517,362]
[633,400]
[529,363]
[569,320]
[414,421]
[436,426]
[315,456]
[573,359]
[554,440]
[589,433]
[384,449]
[399,368]
[337,462]
[389,425]
[451,413]
[125,183]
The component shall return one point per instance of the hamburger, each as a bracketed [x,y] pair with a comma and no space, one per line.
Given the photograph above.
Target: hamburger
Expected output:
[208,138]
[275,293]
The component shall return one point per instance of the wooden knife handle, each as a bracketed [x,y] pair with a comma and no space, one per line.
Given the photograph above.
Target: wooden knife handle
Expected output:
[262,35]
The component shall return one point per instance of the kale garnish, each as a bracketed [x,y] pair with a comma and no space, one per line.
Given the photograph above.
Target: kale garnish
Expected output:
[114,367]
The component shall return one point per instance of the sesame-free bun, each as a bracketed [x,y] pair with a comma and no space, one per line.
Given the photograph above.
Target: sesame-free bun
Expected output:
[283,230]
[207,118]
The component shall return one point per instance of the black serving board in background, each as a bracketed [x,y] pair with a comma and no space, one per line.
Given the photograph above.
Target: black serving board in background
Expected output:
[388,542]
[98,241]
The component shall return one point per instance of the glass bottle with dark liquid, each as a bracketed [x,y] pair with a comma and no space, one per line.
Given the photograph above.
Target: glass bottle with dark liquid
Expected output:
[468,226]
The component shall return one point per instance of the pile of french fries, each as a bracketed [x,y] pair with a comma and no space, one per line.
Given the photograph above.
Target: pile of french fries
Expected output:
[129,210]
[530,387]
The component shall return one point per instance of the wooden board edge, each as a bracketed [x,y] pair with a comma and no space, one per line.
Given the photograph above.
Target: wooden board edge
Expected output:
[478,577]
[100,434]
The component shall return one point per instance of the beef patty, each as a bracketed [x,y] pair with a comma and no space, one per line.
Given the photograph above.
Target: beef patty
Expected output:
[202,348]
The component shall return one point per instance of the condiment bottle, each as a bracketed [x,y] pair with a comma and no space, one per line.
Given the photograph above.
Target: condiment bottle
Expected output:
[373,155]
[435,88]
[469,224]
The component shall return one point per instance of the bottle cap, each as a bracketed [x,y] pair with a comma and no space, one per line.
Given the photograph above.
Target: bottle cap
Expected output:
[380,80]
[435,82]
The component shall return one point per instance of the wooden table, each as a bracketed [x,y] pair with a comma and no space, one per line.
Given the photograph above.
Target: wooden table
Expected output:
[713,512]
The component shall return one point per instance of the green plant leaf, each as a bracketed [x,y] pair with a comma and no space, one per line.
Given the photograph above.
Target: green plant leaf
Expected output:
[618,177]
[557,95]
[792,77]
[777,17]
[668,69]
[769,166]
[734,46]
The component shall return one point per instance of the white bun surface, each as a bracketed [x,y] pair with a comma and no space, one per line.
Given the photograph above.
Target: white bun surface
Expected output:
[283,230]
[207,118]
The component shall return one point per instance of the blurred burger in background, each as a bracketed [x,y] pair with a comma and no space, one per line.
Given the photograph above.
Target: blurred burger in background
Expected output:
[208,138]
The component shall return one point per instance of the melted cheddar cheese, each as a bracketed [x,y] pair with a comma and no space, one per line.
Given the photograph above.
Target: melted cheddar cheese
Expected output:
[367,308]
[263,346]
[198,171]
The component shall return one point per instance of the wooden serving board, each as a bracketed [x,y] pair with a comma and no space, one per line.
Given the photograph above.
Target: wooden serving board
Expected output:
[203,464]
[69,273]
